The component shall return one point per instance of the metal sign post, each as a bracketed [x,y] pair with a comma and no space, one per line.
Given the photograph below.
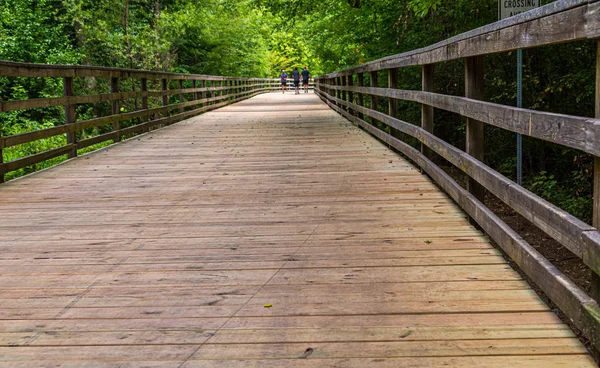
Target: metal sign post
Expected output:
[508,8]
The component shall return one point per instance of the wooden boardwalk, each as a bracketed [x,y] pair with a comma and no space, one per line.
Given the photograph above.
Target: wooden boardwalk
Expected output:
[270,233]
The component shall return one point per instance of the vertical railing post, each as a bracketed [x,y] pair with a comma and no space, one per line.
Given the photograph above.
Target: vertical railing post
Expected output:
[427,110]
[360,81]
[194,86]
[2,165]
[144,89]
[338,92]
[350,93]
[374,100]
[165,97]
[116,108]
[344,95]
[595,282]
[70,115]
[181,99]
[203,95]
[392,102]
[474,86]
[392,83]
[334,83]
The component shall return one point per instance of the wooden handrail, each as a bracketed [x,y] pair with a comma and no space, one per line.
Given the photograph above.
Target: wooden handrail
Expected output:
[561,21]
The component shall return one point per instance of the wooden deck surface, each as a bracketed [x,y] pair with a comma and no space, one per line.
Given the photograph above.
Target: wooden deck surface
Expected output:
[270,233]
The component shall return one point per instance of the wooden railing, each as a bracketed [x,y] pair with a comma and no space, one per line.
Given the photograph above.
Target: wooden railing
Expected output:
[563,21]
[202,93]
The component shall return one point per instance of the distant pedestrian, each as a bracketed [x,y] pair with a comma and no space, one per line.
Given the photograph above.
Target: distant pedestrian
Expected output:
[296,75]
[284,77]
[305,78]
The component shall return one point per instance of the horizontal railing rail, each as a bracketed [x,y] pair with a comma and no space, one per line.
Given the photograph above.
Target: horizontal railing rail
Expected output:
[562,21]
[207,92]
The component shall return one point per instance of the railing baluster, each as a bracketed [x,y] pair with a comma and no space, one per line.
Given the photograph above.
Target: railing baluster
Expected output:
[70,115]
[392,83]
[116,109]
[2,165]
[595,282]
[350,93]
[165,97]
[360,81]
[344,94]
[144,89]
[374,82]
[392,102]
[427,111]
[181,99]
[474,84]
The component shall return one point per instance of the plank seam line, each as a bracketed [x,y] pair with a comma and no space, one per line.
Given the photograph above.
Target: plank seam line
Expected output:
[275,358]
[80,296]
[342,185]
[331,342]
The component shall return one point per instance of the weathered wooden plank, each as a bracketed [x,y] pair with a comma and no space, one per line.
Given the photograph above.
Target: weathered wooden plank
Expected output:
[578,306]
[329,240]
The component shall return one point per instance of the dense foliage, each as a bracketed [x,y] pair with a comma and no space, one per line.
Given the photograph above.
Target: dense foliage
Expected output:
[257,38]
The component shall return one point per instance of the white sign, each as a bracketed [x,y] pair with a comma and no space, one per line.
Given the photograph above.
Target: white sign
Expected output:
[508,8]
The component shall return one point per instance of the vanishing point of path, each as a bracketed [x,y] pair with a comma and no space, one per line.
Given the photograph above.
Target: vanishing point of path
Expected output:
[270,233]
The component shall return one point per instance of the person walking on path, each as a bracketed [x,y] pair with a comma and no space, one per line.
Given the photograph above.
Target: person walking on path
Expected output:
[305,78]
[283,80]
[296,75]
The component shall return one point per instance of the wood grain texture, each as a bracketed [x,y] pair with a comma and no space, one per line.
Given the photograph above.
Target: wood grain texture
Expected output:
[572,131]
[578,306]
[270,232]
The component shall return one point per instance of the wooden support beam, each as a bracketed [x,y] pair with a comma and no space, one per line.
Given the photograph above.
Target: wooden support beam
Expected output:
[474,86]
[116,107]
[70,117]
[165,87]
[350,83]
[144,89]
[392,102]
[336,93]
[426,110]
[181,99]
[360,81]
[2,166]
[204,93]
[374,100]
[344,83]
[595,282]
[392,83]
